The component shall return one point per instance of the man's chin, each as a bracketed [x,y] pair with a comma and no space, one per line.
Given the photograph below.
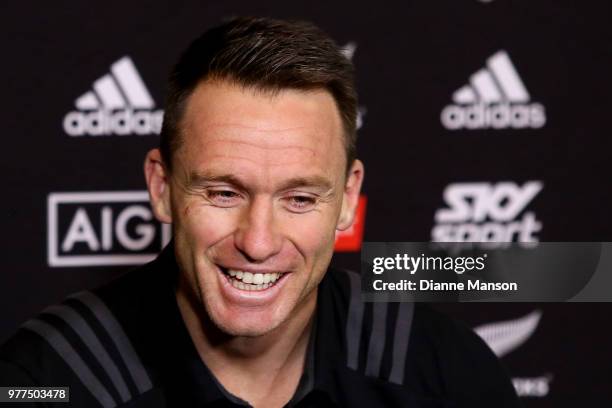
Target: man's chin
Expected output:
[246,326]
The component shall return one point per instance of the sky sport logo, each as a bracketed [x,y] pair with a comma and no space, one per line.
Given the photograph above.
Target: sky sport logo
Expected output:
[102,228]
[487,212]
[119,104]
[495,98]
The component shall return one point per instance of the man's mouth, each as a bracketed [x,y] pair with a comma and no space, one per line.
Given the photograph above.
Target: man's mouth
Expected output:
[249,281]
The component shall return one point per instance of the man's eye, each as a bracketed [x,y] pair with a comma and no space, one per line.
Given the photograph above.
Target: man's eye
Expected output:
[225,198]
[301,203]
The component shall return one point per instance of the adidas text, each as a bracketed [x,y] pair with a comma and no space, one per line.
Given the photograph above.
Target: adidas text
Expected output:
[501,116]
[106,123]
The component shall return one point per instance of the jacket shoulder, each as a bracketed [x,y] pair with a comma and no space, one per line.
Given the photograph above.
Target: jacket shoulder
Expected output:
[82,343]
[449,357]
[415,347]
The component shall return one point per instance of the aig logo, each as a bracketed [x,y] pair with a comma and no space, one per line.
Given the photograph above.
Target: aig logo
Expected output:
[102,228]
[487,212]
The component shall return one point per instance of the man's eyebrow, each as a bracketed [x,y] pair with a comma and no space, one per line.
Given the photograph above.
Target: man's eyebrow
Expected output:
[201,179]
[319,182]
[197,179]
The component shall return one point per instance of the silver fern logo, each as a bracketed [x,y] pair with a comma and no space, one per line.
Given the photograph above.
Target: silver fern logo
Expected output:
[506,336]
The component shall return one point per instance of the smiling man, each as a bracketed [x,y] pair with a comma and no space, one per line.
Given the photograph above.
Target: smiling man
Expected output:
[257,189]
[256,171]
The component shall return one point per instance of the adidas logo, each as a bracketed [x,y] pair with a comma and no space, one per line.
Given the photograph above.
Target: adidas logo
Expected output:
[495,98]
[119,104]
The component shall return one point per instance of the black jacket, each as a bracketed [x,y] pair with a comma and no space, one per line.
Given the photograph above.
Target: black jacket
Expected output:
[125,345]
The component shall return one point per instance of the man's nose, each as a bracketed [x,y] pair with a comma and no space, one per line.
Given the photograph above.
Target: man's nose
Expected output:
[257,236]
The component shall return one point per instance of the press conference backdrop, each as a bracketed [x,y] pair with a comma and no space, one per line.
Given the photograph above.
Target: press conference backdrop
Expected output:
[498,110]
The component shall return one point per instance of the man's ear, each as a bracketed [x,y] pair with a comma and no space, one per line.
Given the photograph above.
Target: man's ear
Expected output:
[158,186]
[350,197]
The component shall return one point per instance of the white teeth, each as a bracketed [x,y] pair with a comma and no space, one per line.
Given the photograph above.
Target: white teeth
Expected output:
[247,277]
[252,281]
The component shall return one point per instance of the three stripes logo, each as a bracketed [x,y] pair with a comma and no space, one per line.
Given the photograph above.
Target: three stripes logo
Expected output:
[495,98]
[90,340]
[119,104]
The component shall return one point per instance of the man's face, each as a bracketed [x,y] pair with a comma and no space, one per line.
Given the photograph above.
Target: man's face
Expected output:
[257,191]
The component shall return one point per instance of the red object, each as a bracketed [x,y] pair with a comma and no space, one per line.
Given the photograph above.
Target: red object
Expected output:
[350,239]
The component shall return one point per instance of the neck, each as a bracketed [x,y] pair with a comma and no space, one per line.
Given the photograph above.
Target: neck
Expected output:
[251,367]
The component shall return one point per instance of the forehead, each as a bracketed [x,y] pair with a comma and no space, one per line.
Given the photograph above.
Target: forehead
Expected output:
[247,130]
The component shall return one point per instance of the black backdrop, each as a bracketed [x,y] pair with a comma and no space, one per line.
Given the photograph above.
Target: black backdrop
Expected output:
[540,69]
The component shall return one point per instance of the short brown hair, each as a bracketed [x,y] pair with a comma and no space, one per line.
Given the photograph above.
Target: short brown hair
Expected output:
[268,54]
